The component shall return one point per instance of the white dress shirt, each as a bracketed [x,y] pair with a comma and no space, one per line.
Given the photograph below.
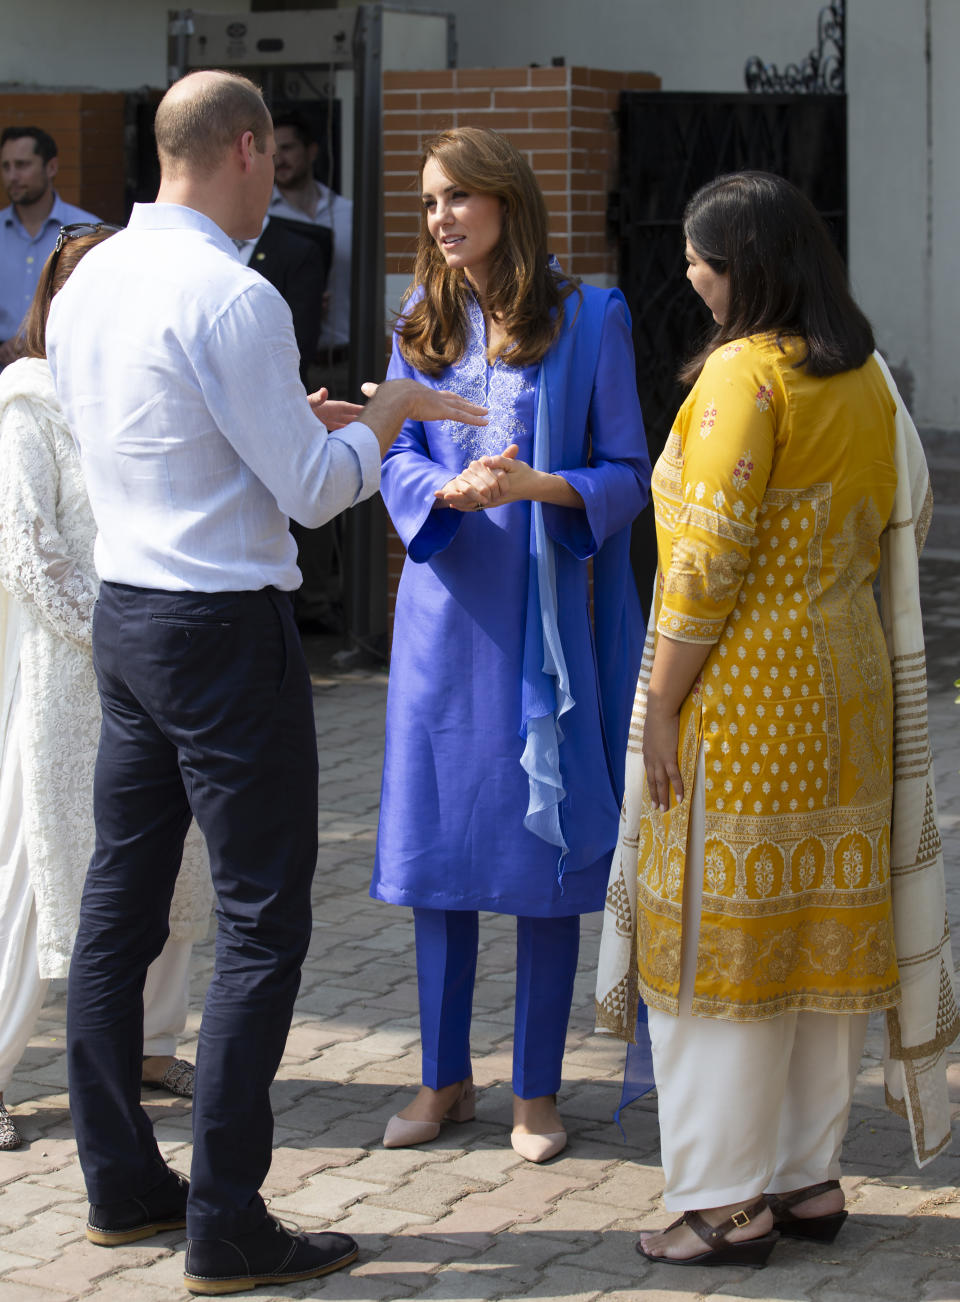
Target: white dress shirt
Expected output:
[335,212]
[177,368]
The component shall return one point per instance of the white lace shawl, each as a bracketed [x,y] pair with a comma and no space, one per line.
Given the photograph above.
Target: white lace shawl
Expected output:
[47,534]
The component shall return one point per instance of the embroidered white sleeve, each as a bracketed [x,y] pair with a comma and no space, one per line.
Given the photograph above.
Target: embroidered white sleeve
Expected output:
[38,566]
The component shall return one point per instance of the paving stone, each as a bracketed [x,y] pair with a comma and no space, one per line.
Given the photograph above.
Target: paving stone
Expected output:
[323,1195]
[630,1184]
[20,1200]
[309,1111]
[491,1165]
[577,1216]
[367,1220]
[461,1284]
[15,1292]
[888,1271]
[431,1191]
[876,1198]
[344,1286]
[44,1236]
[14,1261]
[566,1281]
[117,1288]
[450,1231]
[941,1286]
[472,1220]
[65,1179]
[791,1273]
[391,1166]
[82,1264]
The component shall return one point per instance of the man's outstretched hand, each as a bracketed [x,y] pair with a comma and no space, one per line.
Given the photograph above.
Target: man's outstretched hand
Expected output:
[331,411]
[393,402]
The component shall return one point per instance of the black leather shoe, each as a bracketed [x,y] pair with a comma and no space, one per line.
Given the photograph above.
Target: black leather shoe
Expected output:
[270,1254]
[163,1208]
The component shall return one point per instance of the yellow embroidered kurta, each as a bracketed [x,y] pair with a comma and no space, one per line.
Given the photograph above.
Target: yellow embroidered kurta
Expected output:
[770,497]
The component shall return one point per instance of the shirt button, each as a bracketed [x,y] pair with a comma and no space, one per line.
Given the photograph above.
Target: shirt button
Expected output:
[29,258]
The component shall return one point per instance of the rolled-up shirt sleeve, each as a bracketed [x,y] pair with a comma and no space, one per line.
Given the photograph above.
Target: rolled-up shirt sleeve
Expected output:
[248,366]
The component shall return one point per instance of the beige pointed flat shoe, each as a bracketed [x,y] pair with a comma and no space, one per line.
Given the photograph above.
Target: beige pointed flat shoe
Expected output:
[401,1133]
[538,1148]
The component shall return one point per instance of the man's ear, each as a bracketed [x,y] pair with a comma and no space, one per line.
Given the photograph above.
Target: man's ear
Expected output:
[246,148]
[51,168]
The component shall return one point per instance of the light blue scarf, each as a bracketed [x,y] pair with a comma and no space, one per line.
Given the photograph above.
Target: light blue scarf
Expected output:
[546,683]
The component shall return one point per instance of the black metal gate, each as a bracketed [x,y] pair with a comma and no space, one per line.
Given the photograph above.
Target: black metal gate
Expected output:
[670,144]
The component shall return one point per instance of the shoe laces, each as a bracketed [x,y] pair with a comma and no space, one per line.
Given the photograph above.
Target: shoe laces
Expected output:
[283,1226]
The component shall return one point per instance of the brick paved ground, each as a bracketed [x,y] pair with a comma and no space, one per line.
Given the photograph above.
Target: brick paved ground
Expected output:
[464,1218]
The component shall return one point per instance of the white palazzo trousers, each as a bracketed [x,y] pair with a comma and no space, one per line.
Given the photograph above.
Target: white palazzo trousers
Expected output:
[746,1107]
[22,990]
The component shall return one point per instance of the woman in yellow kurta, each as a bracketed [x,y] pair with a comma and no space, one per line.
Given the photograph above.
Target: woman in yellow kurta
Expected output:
[763,931]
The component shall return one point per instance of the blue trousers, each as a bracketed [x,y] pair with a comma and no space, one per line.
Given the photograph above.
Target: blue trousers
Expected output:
[207,709]
[547,951]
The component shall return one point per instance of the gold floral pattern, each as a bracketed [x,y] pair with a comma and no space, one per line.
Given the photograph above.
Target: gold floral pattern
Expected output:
[768,555]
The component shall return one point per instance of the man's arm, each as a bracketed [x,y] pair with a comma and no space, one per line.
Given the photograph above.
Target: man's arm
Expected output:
[254,395]
[398,400]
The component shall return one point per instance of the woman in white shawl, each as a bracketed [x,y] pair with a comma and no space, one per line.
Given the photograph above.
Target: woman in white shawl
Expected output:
[50,717]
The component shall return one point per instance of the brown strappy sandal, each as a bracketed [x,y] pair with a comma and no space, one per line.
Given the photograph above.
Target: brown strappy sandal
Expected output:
[745,1252]
[823,1229]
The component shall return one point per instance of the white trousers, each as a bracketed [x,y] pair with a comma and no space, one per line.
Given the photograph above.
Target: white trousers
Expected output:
[746,1107]
[22,990]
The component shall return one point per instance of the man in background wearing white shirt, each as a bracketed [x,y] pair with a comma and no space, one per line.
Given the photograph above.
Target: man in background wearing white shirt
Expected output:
[298,196]
[177,369]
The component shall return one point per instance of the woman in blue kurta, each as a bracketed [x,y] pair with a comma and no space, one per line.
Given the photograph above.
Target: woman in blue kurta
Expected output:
[510,689]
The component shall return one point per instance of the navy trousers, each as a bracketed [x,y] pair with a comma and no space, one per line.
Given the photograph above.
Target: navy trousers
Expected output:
[207,709]
[547,951]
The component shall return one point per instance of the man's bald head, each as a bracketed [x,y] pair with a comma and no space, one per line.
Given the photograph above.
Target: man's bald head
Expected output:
[202,115]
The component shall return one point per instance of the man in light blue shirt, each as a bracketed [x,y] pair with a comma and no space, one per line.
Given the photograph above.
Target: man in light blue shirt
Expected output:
[29,227]
[177,368]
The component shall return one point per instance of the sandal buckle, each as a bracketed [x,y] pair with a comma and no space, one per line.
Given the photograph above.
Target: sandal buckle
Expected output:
[740,1219]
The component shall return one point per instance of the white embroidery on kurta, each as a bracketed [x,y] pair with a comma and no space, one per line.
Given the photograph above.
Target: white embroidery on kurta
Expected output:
[499,387]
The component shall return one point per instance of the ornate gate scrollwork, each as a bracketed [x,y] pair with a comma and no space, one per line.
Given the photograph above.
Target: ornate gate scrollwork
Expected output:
[822,72]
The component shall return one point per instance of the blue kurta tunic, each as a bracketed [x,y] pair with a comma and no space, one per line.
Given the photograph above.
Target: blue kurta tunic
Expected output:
[454,793]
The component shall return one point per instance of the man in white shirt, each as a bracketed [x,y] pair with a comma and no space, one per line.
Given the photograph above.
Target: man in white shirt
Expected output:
[177,369]
[298,196]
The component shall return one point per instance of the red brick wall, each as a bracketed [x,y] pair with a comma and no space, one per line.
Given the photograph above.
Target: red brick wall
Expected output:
[88,129]
[562,119]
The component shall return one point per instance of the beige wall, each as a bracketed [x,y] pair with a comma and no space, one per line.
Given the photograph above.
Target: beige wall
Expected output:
[106,44]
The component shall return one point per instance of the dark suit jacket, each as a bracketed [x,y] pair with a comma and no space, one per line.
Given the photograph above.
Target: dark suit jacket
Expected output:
[298,268]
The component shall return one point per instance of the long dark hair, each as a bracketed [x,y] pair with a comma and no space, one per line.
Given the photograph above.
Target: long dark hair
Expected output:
[786,276]
[523,292]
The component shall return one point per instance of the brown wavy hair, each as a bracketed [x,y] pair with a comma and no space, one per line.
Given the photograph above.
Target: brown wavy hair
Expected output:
[523,293]
[55,274]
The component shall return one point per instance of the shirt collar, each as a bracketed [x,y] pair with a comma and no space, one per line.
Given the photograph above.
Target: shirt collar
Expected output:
[176,216]
[277,196]
[58,215]
[58,212]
